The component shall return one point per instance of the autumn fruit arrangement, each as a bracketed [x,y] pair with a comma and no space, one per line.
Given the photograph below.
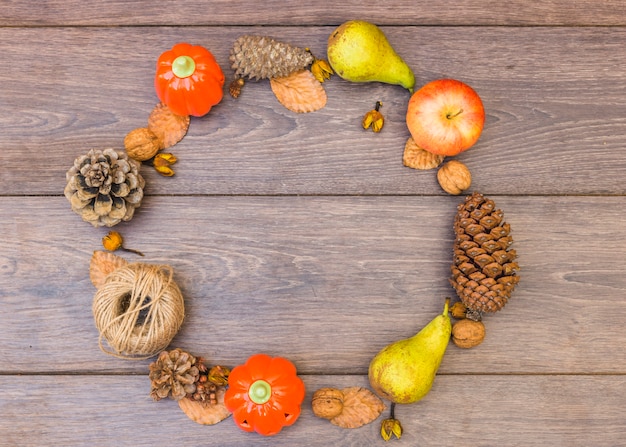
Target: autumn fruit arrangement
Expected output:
[445,117]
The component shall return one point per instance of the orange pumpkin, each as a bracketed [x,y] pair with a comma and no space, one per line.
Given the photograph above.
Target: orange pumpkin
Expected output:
[264,394]
[188,80]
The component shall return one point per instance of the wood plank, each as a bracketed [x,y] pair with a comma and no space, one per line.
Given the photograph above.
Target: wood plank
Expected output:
[290,275]
[548,131]
[460,410]
[323,12]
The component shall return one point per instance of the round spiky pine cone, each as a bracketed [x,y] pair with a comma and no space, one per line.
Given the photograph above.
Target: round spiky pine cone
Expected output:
[484,273]
[174,374]
[104,187]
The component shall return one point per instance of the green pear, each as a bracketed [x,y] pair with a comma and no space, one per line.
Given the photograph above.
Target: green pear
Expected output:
[404,371]
[359,51]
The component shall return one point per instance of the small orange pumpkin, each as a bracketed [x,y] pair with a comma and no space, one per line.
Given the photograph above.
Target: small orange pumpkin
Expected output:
[188,80]
[264,394]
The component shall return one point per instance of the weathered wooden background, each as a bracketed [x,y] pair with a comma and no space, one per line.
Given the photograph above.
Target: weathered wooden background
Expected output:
[304,236]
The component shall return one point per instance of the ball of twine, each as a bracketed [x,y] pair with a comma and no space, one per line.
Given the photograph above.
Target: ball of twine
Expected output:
[138,310]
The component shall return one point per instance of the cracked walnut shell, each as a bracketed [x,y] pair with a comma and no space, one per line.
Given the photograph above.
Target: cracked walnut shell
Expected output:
[454,177]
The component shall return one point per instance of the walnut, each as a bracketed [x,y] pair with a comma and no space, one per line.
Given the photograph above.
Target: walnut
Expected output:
[417,158]
[327,403]
[142,144]
[454,177]
[468,333]
[350,407]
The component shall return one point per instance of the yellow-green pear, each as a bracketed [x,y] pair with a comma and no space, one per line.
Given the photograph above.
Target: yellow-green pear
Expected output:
[403,372]
[359,51]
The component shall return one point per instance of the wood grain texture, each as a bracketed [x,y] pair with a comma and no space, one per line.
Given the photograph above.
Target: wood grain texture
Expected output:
[555,113]
[323,12]
[303,235]
[575,411]
[326,281]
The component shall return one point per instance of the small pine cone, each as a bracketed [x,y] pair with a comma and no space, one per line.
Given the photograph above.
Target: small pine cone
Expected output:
[104,187]
[174,374]
[483,272]
[260,57]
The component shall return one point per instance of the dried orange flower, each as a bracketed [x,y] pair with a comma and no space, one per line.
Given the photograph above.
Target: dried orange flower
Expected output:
[218,375]
[374,118]
[162,162]
[113,241]
[320,68]
[390,427]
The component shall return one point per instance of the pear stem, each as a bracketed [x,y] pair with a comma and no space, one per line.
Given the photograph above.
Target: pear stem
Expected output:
[392,410]
[446,306]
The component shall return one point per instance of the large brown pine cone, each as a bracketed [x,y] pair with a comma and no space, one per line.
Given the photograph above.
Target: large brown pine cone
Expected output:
[262,57]
[483,272]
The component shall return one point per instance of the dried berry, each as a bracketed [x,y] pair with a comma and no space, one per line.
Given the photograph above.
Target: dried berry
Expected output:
[113,241]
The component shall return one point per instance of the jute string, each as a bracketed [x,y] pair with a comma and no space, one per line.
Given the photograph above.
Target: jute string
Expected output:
[138,310]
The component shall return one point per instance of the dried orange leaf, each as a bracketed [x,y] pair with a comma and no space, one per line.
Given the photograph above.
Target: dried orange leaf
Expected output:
[102,263]
[205,414]
[417,158]
[299,92]
[167,126]
[360,407]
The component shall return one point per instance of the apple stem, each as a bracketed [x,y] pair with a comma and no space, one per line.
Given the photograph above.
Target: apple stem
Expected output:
[451,115]
[378,105]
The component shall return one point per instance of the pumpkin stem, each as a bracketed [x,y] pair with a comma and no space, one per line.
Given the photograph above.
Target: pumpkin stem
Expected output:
[260,392]
[183,66]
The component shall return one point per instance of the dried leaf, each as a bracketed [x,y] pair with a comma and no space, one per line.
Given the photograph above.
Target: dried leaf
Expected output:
[360,407]
[167,126]
[299,92]
[102,264]
[205,414]
[417,158]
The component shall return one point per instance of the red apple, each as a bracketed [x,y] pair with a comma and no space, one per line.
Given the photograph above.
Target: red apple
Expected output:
[445,117]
